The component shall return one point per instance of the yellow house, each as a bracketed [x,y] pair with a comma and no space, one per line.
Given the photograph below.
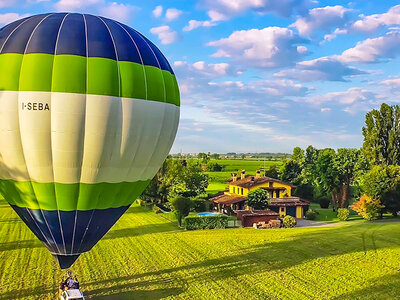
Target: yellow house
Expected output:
[280,195]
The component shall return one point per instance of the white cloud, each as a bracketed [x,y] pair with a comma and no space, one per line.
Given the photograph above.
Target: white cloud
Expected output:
[325,109]
[193,24]
[372,23]
[120,12]
[348,97]
[165,34]
[395,82]
[10,17]
[321,18]
[266,48]
[372,50]
[203,69]
[6,3]
[72,5]
[230,8]
[158,11]
[172,14]
[114,10]
[323,68]
[331,36]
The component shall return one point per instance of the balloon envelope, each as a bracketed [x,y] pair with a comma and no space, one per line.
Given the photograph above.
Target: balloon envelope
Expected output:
[89,110]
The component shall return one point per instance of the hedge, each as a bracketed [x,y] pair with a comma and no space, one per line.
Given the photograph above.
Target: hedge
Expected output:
[205,222]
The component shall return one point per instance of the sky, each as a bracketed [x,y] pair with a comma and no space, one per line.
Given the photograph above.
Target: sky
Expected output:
[263,75]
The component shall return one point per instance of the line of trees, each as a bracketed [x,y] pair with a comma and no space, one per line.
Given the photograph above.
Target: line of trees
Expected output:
[345,174]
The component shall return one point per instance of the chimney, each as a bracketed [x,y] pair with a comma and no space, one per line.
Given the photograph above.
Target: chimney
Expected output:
[243,174]
[258,174]
[234,177]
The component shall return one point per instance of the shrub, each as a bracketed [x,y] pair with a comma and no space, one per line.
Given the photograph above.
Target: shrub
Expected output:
[343,214]
[214,167]
[289,222]
[368,207]
[205,222]
[311,214]
[200,205]
[181,207]
[257,199]
[156,209]
[324,202]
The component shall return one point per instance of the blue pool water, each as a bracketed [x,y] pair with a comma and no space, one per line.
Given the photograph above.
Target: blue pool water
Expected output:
[207,214]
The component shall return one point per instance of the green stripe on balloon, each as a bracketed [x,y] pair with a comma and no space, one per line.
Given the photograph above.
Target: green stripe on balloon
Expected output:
[99,76]
[69,197]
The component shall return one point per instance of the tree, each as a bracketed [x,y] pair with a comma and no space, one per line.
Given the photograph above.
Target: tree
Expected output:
[214,167]
[290,171]
[382,135]
[346,164]
[383,183]
[368,207]
[304,190]
[181,207]
[257,199]
[336,172]
[203,157]
[175,178]
[272,172]
[215,156]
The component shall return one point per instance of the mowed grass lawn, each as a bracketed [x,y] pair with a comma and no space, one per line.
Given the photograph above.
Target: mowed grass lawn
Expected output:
[145,256]
[217,179]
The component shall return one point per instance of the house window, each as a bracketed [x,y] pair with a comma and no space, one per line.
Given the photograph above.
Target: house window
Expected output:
[277,194]
[242,191]
[282,209]
[271,184]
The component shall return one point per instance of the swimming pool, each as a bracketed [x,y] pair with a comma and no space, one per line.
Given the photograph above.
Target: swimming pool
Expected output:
[203,214]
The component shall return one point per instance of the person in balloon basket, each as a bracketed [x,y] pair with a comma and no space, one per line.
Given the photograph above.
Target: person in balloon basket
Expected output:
[62,286]
[70,283]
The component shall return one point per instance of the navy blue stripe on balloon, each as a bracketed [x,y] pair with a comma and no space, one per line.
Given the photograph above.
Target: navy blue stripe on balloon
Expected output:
[145,51]
[77,32]
[43,39]
[69,232]
[8,29]
[99,39]
[102,221]
[17,41]
[160,57]
[126,49]
[72,37]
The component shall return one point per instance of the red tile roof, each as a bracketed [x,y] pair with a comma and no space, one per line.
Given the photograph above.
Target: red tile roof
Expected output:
[264,212]
[228,199]
[288,201]
[250,181]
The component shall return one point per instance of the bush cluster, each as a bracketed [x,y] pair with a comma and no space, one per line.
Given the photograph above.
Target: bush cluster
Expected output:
[343,214]
[205,222]
[289,222]
[311,214]
[324,202]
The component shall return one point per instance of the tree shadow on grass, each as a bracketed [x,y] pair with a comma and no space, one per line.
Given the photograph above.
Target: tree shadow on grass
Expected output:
[141,230]
[137,290]
[17,245]
[268,257]
[386,287]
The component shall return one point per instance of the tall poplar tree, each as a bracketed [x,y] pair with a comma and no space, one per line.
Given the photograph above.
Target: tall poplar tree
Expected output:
[382,135]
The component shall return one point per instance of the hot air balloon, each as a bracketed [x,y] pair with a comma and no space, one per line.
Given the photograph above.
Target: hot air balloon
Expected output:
[89,109]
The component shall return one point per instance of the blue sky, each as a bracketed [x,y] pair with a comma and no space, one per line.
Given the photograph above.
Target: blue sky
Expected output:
[263,75]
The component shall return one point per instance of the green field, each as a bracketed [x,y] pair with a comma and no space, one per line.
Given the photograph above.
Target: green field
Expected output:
[218,179]
[145,256]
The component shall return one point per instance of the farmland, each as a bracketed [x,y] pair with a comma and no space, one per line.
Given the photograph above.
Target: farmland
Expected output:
[145,256]
[218,179]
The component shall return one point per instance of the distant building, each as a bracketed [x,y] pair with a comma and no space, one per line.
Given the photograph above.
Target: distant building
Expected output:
[280,195]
